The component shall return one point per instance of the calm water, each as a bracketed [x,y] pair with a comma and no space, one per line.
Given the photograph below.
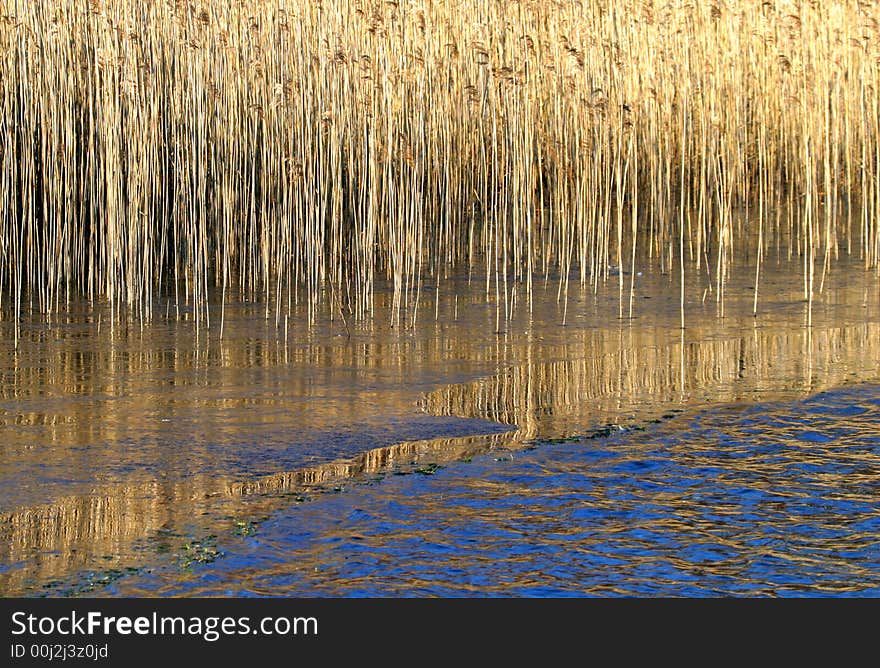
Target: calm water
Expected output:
[607,456]
[766,499]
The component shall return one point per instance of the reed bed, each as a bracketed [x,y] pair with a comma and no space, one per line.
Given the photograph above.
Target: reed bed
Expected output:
[293,150]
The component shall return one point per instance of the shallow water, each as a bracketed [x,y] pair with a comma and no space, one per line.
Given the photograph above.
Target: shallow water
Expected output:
[158,458]
[764,499]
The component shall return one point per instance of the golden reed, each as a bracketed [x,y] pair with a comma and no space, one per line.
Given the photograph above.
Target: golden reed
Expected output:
[301,150]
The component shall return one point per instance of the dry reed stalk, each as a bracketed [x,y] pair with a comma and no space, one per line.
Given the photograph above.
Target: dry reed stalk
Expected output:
[289,150]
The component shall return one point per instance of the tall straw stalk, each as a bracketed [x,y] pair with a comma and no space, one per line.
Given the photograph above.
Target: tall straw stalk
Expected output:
[292,150]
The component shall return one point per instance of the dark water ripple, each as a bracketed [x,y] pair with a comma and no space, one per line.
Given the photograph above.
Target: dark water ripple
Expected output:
[777,499]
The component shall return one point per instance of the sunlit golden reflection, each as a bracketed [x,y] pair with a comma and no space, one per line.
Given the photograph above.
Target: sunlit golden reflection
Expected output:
[118,436]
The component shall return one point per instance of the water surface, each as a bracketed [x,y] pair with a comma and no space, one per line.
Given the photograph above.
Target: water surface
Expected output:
[764,499]
[143,458]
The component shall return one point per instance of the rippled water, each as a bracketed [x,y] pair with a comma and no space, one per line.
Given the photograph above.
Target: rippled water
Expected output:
[765,499]
[446,457]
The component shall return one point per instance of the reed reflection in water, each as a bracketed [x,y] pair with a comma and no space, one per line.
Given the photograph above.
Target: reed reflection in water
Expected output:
[766,499]
[124,445]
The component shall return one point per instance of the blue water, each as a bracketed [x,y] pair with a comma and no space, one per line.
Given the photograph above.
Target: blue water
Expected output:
[768,499]
[450,458]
